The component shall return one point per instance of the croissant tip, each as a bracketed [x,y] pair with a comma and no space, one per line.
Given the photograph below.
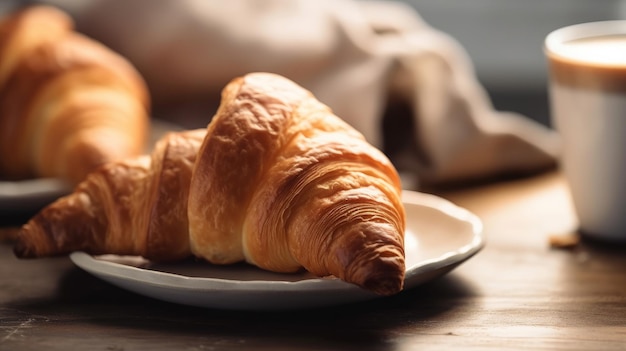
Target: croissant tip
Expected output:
[383,276]
[385,286]
[21,249]
[32,241]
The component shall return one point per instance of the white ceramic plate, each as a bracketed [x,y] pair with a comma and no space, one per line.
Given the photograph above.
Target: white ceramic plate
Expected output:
[27,196]
[440,236]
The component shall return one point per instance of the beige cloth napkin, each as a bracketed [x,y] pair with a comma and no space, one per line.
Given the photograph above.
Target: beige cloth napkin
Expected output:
[410,89]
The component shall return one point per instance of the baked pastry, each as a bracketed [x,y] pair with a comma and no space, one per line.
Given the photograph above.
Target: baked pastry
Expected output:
[278,181]
[67,103]
[282,183]
[136,206]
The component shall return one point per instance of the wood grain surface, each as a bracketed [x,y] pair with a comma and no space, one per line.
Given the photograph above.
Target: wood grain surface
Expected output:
[518,293]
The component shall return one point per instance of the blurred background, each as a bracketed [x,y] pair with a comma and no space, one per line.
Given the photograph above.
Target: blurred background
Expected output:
[504,40]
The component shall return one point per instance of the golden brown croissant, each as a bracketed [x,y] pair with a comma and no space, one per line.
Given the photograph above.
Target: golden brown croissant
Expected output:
[284,184]
[279,182]
[131,207]
[67,103]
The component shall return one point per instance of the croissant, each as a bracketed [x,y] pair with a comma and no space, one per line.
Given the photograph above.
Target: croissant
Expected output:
[282,183]
[136,206]
[275,179]
[67,103]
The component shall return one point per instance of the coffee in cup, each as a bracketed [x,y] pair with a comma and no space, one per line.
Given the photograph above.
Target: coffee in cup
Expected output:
[587,87]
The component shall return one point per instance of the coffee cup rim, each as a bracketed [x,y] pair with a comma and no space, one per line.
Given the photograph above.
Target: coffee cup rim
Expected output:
[555,39]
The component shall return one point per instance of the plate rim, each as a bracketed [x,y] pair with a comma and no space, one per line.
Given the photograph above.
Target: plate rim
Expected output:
[108,270]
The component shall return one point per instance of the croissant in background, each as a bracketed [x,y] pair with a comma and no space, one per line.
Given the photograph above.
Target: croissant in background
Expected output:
[67,103]
[278,181]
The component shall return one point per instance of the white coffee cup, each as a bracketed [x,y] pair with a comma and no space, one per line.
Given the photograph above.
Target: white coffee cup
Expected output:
[587,87]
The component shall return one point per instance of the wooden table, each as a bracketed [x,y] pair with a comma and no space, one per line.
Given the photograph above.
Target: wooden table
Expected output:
[518,293]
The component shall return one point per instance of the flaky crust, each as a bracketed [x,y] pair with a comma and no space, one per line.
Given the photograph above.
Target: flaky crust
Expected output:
[284,184]
[132,207]
[67,103]
[276,180]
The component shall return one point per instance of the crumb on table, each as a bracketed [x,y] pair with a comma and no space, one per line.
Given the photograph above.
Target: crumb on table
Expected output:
[564,240]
